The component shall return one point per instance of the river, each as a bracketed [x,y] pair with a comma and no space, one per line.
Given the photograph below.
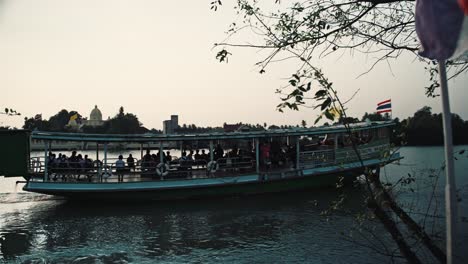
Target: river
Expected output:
[279,228]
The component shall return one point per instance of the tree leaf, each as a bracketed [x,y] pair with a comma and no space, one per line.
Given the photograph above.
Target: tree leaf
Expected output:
[326,103]
[320,93]
[318,119]
[329,115]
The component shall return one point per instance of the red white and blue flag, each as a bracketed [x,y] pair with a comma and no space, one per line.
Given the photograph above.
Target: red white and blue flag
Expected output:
[384,106]
[442,28]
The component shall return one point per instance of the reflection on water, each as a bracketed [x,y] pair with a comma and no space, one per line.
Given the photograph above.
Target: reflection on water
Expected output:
[272,228]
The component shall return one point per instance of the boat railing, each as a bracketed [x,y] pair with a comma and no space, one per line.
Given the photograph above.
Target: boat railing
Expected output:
[317,158]
[329,157]
[348,154]
[99,171]
[102,171]
[236,163]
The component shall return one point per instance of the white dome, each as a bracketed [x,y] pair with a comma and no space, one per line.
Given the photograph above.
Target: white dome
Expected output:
[95,114]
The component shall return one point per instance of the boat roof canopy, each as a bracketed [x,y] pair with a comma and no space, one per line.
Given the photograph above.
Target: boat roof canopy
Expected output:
[148,137]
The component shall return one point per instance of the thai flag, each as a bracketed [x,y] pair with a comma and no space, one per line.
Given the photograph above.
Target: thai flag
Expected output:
[384,106]
[442,28]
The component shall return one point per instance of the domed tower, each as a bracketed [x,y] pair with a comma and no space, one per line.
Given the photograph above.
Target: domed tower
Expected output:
[95,118]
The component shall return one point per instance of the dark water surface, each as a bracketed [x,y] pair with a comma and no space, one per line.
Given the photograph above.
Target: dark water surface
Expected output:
[279,228]
[262,229]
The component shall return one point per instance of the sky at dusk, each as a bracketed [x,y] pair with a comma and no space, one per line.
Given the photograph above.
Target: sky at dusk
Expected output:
[156,58]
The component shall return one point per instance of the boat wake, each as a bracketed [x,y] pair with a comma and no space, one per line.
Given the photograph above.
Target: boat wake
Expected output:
[22,197]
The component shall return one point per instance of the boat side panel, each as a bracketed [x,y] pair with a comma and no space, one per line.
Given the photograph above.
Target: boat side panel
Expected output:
[193,188]
[273,186]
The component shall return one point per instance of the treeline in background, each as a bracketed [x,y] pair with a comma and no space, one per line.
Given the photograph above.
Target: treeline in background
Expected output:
[424,128]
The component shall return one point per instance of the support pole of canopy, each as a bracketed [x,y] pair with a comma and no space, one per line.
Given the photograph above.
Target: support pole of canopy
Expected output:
[450,200]
[161,157]
[257,155]
[105,158]
[46,149]
[141,151]
[97,151]
[181,148]
[161,154]
[98,169]
[211,151]
[298,152]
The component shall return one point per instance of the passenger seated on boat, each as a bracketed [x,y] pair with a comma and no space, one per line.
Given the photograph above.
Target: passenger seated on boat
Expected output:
[184,163]
[198,161]
[168,156]
[157,158]
[292,155]
[51,164]
[51,160]
[197,155]
[146,161]
[265,155]
[147,155]
[87,166]
[79,163]
[275,153]
[131,162]
[73,161]
[218,152]
[184,156]
[204,156]
[49,157]
[120,168]
[62,167]
[190,155]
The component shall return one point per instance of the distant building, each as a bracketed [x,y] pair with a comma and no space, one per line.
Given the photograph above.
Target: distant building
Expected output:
[235,128]
[95,120]
[174,121]
[169,126]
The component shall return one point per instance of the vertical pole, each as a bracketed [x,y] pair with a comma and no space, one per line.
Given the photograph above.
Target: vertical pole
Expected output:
[46,150]
[450,201]
[335,146]
[257,155]
[161,154]
[98,170]
[105,154]
[141,151]
[181,148]
[105,158]
[161,158]
[298,152]
[211,151]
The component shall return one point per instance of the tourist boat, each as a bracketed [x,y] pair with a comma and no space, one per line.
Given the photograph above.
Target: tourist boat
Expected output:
[254,162]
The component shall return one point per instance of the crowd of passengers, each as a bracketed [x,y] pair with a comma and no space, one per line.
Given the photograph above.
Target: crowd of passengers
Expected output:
[271,154]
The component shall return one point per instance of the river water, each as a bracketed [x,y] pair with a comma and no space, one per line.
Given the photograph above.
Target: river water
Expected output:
[280,228]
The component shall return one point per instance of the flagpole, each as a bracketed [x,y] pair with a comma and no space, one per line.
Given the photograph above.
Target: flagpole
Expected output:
[450,188]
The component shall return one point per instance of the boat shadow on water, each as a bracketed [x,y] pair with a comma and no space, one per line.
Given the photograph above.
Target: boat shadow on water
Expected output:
[125,231]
